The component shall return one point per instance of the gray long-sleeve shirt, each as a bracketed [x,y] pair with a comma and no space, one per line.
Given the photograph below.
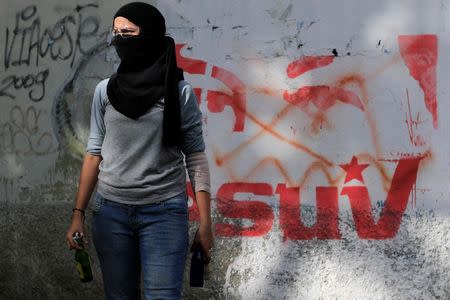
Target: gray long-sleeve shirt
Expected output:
[136,167]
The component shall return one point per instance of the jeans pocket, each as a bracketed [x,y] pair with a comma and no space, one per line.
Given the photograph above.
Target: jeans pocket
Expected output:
[97,203]
[177,205]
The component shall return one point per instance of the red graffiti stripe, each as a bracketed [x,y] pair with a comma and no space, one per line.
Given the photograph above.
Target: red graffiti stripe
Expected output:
[308,63]
[237,101]
[395,205]
[192,66]
[419,53]
[322,96]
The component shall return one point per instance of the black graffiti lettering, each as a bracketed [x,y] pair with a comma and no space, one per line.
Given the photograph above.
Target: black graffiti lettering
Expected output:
[40,81]
[28,12]
[25,15]
[36,84]
[44,47]
[59,33]
[18,83]
[34,42]
[65,38]
[27,43]
[87,28]
[18,62]
[8,48]
[28,81]
[5,85]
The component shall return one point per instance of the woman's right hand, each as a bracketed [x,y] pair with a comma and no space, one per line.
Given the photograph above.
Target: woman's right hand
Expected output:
[76,226]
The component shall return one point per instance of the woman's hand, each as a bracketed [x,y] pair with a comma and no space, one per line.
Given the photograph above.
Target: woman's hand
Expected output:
[88,180]
[205,239]
[77,225]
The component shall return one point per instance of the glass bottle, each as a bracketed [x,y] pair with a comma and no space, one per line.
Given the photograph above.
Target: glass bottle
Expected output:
[197,268]
[82,259]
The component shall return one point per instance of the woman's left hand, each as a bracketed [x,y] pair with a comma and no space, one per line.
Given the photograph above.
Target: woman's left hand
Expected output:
[204,238]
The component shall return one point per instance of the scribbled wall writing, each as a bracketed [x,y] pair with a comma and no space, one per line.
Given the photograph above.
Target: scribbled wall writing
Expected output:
[27,43]
[23,134]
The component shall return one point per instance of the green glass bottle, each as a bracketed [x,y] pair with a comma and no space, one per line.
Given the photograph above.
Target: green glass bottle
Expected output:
[82,259]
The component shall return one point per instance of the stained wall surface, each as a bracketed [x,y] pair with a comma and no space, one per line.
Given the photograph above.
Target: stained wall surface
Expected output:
[326,132]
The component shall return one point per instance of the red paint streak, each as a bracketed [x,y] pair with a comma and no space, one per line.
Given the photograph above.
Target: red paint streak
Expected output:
[268,128]
[192,66]
[360,81]
[419,52]
[380,167]
[228,156]
[291,142]
[357,79]
[397,199]
[423,155]
[322,96]
[198,94]
[267,91]
[307,63]
[327,220]
[277,163]
[258,212]
[237,101]
[320,121]
[320,167]
[412,124]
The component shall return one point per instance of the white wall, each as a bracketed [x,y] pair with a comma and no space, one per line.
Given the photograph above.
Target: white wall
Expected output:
[290,92]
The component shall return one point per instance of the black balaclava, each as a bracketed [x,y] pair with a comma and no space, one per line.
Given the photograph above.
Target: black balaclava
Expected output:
[147,71]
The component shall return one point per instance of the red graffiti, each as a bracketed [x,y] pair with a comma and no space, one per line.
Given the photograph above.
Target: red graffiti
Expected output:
[419,53]
[217,100]
[198,94]
[308,63]
[327,220]
[412,124]
[260,213]
[354,170]
[322,96]
[237,101]
[192,66]
[394,206]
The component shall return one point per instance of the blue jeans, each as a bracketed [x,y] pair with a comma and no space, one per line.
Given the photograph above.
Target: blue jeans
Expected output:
[150,238]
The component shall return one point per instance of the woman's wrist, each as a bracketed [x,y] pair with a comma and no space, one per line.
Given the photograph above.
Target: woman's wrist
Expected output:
[206,222]
[78,214]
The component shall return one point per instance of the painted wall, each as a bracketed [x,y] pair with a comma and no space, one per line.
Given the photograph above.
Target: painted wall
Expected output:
[326,130]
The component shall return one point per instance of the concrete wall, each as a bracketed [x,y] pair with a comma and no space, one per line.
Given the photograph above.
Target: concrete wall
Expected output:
[326,130]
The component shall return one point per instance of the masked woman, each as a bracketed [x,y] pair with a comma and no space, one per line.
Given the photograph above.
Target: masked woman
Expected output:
[146,130]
